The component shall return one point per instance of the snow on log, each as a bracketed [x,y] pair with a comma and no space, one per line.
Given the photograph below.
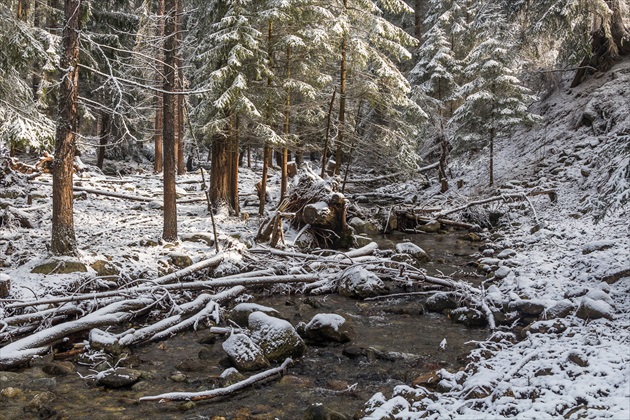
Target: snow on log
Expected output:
[220,392]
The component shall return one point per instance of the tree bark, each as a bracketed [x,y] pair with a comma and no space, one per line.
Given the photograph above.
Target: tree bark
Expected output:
[287,129]
[417,19]
[342,104]
[63,237]
[219,171]
[169,135]
[325,151]
[233,198]
[181,160]
[491,156]
[442,167]
[262,193]
[159,102]
[103,138]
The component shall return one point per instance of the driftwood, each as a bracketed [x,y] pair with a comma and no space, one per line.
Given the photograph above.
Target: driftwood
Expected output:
[221,392]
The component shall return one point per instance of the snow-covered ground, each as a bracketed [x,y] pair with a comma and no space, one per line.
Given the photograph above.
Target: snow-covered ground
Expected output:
[565,367]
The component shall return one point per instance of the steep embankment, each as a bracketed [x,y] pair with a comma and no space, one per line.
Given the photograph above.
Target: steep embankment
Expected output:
[571,273]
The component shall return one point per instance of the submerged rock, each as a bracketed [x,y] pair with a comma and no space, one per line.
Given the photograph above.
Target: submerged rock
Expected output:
[357,282]
[276,337]
[324,328]
[244,354]
[119,378]
[321,412]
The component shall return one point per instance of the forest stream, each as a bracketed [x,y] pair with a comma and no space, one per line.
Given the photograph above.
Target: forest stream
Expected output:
[396,341]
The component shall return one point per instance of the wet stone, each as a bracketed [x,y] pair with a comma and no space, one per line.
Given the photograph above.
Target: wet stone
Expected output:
[58,368]
[324,328]
[10,378]
[186,406]
[42,384]
[120,378]
[178,377]
[11,392]
[321,412]
[230,376]
[277,337]
[439,302]
[357,282]
[244,354]
[468,316]
[354,352]
[528,307]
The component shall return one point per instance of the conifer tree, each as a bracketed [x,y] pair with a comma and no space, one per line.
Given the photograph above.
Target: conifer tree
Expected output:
[494,99]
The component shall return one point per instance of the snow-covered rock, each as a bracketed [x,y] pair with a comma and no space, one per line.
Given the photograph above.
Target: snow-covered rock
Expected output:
[276,337]
[506,253]
[440,301]
[324,328]
[357,282]
[240,313]
[244,354]
[594,309]
[531,307]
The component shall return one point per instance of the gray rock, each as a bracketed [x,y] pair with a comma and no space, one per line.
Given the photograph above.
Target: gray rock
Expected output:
[597,246]
[208,238]
[58,368]
[561,309]
[244,354]
[324,328]
[321,412]
[240,313]
[594,309]
[179,259]
[502,272]
[438,302]
[468,316]
[10,378]
[528,307]
[42,384]
[119,378]
[276,337]
[357,282]
[362,226]
[60,266]
[506,253]
[432,226]
[230,376]
[414,250]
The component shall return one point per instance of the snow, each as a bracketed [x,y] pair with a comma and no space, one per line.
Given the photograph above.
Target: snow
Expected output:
[332,320]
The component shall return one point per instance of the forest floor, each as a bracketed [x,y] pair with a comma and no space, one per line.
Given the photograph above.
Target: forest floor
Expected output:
[570,366]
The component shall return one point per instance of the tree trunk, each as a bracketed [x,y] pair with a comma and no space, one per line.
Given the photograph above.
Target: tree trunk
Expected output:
[219,171]
[63,238]
[234,203]
[325,151]
[159,111]
[169,134]
[442,167]
[342,105]
[417,19]
[262,193]
[287,128]
[491,156]
[181,161]
[103,138]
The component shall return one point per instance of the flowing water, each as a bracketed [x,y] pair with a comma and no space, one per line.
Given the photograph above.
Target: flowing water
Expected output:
[395,343]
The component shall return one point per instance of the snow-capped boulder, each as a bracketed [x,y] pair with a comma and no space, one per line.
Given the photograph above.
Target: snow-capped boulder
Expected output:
[244,354]
[357,282]
[240,313]
[276,337]
[414,250]
[561,309]
[506,253]
[361,226]
[470,317]
[502,272]
[594,309]
[324,328]
[528,307]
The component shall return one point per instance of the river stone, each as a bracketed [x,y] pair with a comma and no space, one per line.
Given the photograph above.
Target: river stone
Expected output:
[244,354]
[119,378]
[321,412]
[42,384]
[40,405]
[11,392]
[10,377]
[240,313]
[440,301]
[323,328]
[230,376]
[502,272]
[594,309]
[527,307]
[414,250]
[59,266]
[468,316]
[357,282]
[361,226]
[58,368]
[277,337]
[506,253]
[561,309]
[432,226]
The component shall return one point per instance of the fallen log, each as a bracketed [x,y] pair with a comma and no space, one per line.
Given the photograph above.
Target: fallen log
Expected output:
[198,285]
[209,263]
[553,196]
[221,392]
[21,351]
